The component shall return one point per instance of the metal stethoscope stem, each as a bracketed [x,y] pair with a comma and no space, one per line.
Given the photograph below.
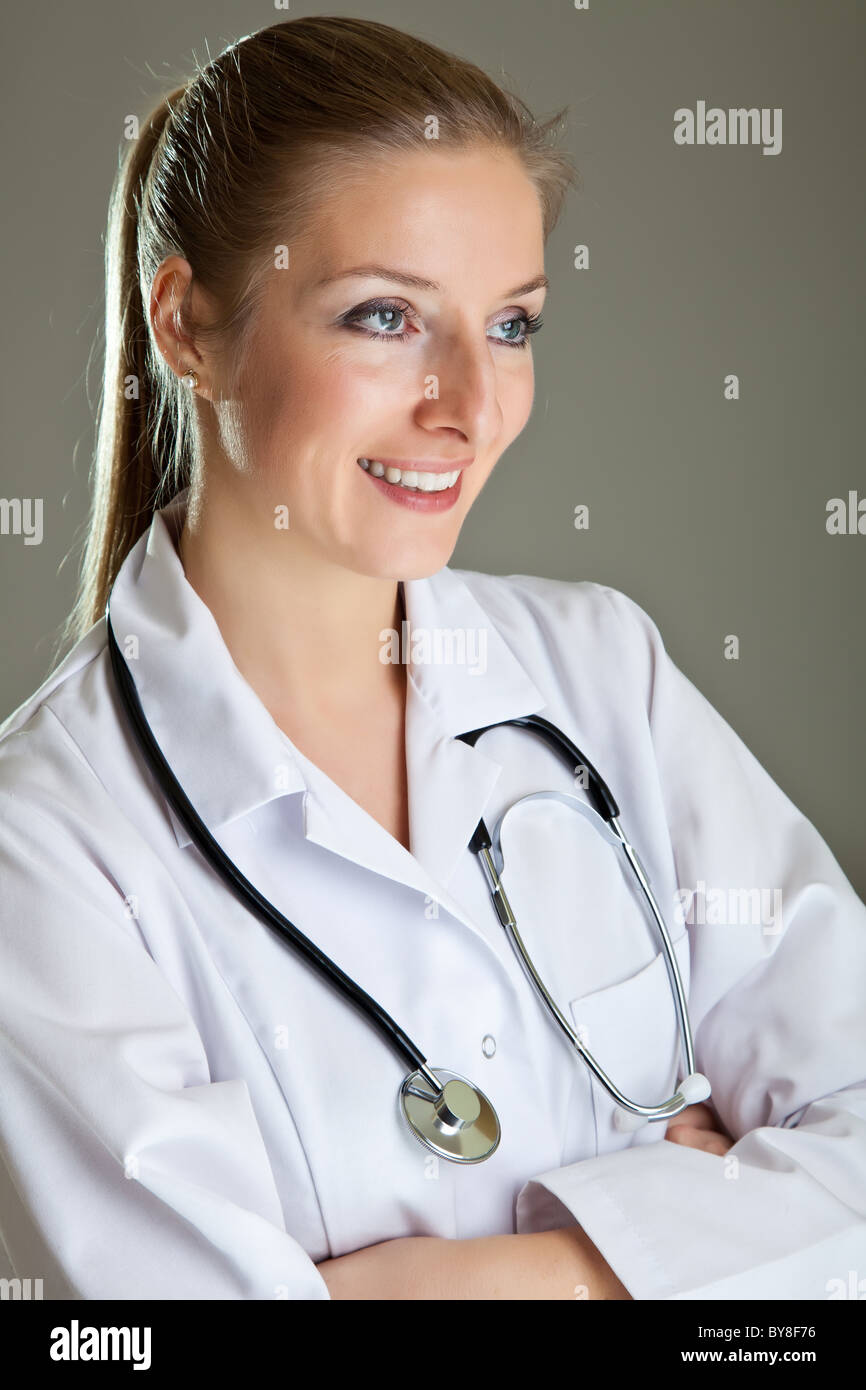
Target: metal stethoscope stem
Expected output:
[682,1097]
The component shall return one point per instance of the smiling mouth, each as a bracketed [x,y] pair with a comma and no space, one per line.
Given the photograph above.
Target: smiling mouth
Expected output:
[413,480]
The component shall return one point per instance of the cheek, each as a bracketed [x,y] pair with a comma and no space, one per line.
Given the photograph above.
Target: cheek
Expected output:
[518,397]
[317,407]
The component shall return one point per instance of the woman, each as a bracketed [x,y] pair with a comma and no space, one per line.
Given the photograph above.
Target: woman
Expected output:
[190,1110]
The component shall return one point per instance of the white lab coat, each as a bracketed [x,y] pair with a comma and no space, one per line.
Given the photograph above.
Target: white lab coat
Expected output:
[189,1111]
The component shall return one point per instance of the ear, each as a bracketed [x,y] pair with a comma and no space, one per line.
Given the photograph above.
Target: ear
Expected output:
[175,302]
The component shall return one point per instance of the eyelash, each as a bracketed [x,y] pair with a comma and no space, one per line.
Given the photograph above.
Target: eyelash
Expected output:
[531,322]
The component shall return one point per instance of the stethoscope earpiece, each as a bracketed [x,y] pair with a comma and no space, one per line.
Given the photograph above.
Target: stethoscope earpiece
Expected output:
[695,1088]
[691,1091]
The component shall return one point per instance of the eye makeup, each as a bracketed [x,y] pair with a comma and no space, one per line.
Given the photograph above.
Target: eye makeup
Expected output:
[353,320]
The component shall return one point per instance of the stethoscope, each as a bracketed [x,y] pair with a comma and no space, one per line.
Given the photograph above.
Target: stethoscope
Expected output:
[450,1115]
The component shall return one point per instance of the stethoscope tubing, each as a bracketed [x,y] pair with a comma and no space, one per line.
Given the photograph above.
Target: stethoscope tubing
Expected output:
[242,887]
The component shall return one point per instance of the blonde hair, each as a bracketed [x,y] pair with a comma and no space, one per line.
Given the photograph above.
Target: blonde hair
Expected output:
[224,169]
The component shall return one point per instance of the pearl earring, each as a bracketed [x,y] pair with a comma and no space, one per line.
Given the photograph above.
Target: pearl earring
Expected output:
[190,379]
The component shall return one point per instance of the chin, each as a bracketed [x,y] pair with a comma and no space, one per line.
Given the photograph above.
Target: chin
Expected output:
[415,563]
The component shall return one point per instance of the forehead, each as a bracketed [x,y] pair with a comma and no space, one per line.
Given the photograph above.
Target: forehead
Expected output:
[450,216]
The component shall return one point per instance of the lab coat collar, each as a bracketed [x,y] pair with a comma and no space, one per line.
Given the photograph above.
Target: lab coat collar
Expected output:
[231,757]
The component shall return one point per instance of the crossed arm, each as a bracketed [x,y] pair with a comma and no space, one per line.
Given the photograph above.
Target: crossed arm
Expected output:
[561,1264]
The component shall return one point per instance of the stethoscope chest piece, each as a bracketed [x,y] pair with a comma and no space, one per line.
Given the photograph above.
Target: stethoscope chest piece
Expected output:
[460,1124]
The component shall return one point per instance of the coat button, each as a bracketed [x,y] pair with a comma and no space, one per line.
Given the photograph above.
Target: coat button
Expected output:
[488,1044]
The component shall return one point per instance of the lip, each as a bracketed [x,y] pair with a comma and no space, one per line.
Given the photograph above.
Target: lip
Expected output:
[418,501]
[424,465]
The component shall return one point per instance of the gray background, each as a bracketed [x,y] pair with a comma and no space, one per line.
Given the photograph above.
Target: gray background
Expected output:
[704,261]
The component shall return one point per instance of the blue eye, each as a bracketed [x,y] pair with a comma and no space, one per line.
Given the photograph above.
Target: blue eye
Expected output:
[530,323]
[389,311]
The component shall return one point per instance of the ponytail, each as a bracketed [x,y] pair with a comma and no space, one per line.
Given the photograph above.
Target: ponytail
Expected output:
[133,464]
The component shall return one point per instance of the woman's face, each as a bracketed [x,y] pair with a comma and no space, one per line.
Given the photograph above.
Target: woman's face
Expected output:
[398,335]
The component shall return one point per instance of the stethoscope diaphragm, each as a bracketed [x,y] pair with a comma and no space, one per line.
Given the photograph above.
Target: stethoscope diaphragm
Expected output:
[459,1124]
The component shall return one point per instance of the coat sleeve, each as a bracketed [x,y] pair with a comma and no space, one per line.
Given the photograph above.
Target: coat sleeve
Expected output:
[125,1172]
[779,1027]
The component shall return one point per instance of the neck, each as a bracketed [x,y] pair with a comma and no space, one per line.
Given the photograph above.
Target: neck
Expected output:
[302,630]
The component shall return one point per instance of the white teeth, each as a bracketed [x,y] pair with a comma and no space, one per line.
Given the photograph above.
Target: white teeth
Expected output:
[412,478]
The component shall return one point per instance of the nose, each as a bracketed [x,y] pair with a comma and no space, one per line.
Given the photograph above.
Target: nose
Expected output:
[461,387]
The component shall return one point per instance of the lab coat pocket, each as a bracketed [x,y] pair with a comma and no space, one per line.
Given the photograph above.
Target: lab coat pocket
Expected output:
[631,1029]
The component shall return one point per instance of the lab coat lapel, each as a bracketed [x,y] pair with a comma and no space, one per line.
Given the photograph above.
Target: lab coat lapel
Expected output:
[450,783]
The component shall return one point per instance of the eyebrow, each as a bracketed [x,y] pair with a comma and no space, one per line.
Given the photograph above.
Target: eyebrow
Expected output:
[417,282]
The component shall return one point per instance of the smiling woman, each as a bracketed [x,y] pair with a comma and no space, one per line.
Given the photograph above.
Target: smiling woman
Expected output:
[325,267]
[256,229]
[266,282]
